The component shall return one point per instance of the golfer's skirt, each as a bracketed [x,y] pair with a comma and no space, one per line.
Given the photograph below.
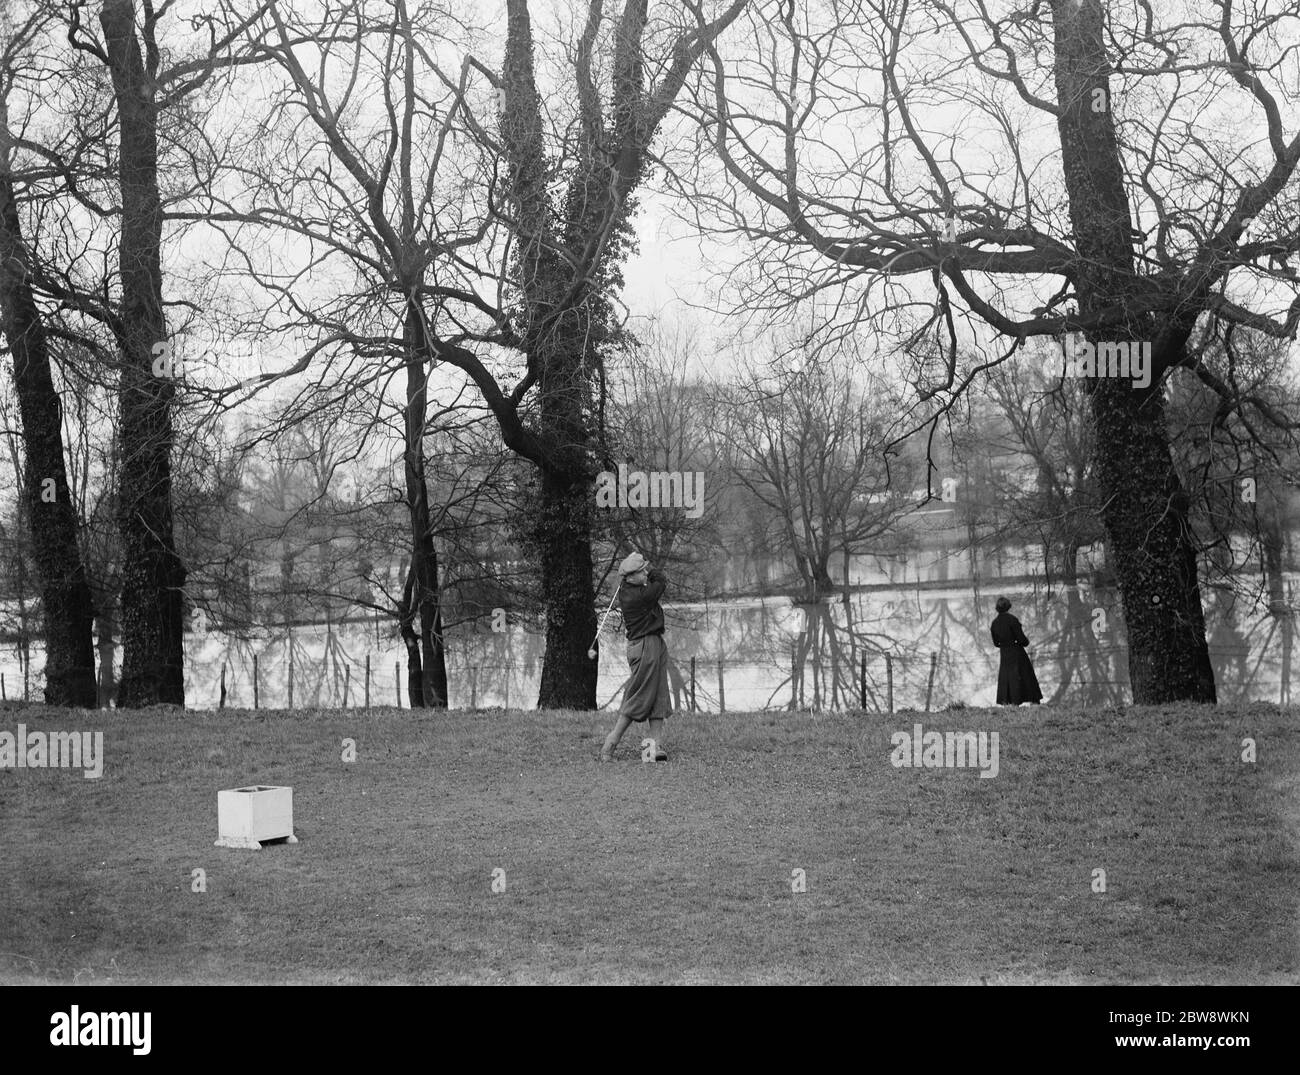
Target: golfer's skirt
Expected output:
[646,694]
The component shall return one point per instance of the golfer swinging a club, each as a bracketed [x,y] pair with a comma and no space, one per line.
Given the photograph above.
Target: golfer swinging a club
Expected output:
[646,695]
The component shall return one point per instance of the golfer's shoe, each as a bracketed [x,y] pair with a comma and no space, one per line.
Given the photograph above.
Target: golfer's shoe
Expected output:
[606,756]
[660,756]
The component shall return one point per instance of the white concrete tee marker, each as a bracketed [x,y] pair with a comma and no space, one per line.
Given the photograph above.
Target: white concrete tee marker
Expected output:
[248,816]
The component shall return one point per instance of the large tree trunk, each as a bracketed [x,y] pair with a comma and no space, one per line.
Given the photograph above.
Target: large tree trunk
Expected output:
[1146,517]
[562,526]
[424,561]
[563,535]
[69,648]
[1145,507]
[153,577]
[566,311]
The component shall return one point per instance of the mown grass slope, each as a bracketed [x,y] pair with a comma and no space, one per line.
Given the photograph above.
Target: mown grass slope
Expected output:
[660,873]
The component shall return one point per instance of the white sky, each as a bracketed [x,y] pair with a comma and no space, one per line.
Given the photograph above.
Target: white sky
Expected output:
[671,275]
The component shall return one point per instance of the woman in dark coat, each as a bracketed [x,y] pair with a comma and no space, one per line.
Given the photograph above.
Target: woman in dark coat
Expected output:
[1016,680]
[645,698]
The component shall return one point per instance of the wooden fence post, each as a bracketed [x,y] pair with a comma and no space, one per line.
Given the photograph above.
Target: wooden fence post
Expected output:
[367,681]
[221,702]
[929,687]
[862,683]
[290,671]
[722,690]
[397,681]
[692,684]
[256,697]
[889,682]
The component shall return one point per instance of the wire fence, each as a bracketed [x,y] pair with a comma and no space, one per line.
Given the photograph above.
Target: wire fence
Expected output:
[284,676]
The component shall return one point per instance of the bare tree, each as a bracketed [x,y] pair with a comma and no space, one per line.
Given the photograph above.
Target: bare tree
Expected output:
[1071,168]
[567,254]
[66,597]
[387,217]
[813,449]
[491,228]
[660,416]
[149,94]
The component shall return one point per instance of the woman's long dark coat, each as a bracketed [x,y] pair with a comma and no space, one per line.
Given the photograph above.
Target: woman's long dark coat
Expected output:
[1016,680]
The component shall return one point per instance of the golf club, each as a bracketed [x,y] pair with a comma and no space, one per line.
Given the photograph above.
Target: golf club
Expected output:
[600,626]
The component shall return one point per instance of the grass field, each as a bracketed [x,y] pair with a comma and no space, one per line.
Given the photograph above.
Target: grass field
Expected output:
[677,872]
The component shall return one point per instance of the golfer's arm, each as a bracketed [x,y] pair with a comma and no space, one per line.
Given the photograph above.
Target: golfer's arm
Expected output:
[656,585]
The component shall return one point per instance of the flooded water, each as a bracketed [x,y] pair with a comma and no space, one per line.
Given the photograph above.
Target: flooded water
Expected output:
[923,641]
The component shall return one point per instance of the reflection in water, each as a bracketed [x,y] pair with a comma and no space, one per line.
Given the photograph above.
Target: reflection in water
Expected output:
[761,654]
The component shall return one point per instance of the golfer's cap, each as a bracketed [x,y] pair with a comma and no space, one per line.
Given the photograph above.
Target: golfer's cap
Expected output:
[632,564]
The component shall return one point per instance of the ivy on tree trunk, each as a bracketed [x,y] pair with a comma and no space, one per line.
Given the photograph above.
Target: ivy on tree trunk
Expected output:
[1144,505]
